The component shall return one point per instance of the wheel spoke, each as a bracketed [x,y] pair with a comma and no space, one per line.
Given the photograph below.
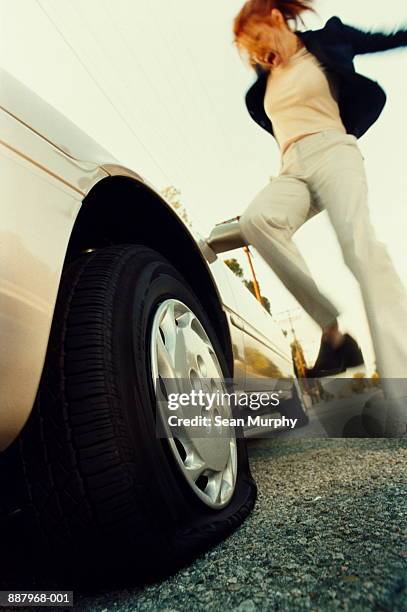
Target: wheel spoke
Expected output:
[174,340]
[194,467]
[164,358]
[169,329]
[185,320]
[229,473]
[213,488]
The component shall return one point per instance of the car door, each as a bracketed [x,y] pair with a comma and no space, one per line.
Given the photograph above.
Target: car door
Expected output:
[266,351]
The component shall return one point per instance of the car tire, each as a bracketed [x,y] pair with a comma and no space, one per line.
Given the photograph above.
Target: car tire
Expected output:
[106,500]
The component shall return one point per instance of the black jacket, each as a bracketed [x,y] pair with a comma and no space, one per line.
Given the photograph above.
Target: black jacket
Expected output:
[360,100]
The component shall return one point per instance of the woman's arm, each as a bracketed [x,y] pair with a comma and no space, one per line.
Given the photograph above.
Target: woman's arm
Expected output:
[371,42]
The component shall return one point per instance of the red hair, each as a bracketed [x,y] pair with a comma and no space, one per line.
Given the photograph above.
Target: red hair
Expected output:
[260,11]
[290,9]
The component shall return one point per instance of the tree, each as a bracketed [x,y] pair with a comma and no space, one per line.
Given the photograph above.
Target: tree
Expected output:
[171,195]
[236,268]
[266,304]
[265,301]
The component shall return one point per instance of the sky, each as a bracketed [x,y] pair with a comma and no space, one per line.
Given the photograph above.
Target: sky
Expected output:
[160,85]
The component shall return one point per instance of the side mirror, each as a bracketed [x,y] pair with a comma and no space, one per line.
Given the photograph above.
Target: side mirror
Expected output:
[226,237]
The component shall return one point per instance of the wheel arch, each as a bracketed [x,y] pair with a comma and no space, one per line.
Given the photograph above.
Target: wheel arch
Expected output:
[121,209]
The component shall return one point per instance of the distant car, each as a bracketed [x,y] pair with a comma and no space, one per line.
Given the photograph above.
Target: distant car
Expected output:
[104,294]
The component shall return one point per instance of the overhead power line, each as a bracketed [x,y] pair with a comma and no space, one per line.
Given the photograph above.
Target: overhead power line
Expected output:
[157,92]
[102,90]
[189,55]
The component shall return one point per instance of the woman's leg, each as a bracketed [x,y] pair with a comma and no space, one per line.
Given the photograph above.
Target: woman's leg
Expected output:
[339,179]
[268,224]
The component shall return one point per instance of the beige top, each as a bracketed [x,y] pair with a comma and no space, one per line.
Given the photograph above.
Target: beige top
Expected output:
[300,99]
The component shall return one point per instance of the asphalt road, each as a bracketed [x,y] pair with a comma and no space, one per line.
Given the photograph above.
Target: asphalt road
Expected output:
[328,533]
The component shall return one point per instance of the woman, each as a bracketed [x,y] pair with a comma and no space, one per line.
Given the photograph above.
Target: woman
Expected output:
[309,97]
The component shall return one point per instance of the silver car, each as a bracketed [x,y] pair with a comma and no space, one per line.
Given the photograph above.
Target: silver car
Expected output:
[105,294]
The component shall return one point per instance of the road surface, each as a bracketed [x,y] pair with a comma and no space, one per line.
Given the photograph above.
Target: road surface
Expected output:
[328,533]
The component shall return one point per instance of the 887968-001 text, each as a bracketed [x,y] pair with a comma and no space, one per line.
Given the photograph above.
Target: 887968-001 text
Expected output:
[25,599]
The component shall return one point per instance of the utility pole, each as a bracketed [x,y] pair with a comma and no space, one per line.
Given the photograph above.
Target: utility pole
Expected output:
[296,347]
[288,316]
[256,285]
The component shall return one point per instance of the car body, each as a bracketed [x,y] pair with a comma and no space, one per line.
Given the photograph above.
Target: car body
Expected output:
[62,194]
[107,300]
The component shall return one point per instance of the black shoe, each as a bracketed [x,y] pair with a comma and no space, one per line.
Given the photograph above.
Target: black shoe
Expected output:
[351,352]
[332,361]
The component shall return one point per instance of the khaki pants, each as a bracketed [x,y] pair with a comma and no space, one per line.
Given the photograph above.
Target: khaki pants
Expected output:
[326,171]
